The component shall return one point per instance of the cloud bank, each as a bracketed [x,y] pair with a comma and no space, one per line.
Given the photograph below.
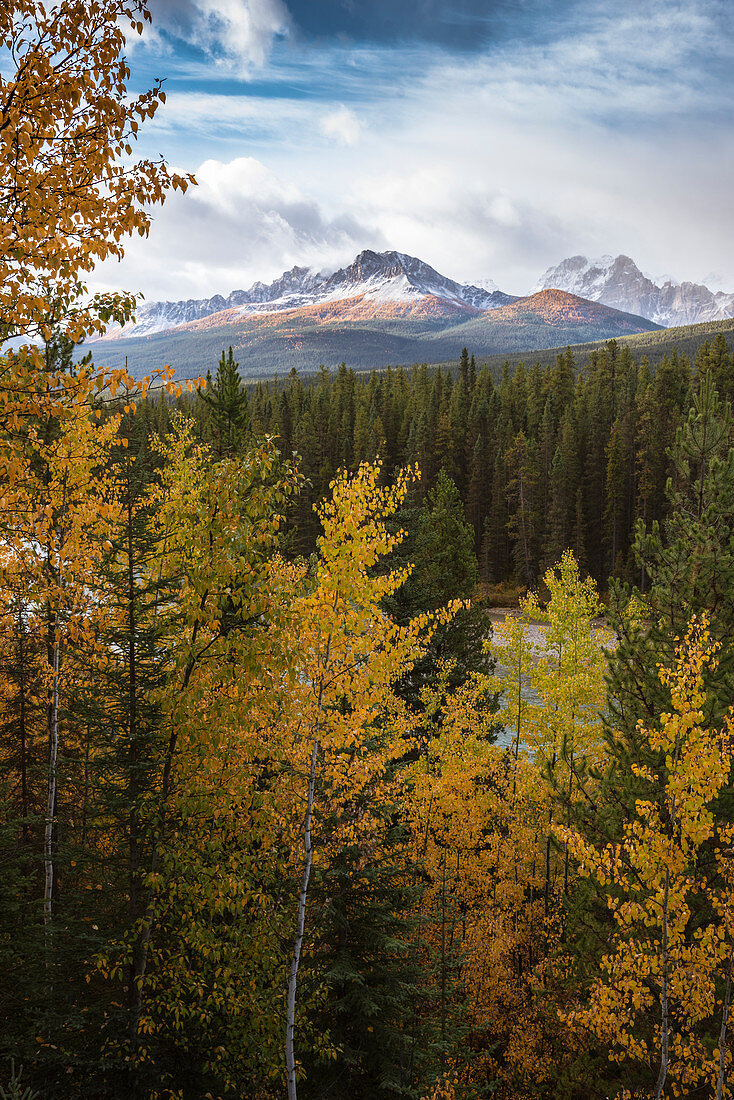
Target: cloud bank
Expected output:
[235,33]
[604,128]
[242,223]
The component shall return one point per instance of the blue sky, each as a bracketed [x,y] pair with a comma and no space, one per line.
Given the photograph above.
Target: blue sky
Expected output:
[491,139]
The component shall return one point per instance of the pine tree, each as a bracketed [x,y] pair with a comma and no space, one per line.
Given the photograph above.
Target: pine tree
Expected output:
[689,560]
[227,401]
[441,548]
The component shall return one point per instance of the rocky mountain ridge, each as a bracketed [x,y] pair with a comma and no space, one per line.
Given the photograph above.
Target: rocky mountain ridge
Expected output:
[389,285]
[378,278]
[617,281]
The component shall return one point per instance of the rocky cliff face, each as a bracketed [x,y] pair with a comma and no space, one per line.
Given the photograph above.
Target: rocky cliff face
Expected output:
[381,279]
[391,284]
[619,283]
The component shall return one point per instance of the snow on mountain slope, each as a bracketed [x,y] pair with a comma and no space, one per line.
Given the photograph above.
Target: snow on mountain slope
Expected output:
[380,280]
[391,285]
[395,276]
[619,283]
[362,308]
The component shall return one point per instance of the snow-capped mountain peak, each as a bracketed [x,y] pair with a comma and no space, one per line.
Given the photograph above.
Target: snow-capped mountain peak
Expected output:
[397,276]
[377,278]
[589,278]
[617,281]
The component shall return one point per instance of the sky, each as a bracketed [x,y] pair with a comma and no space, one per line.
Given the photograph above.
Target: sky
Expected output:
[491,138]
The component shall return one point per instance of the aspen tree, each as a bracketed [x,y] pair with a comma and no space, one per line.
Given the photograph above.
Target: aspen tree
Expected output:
[51,552]
[193,793]
[68,194]
[552,690]
[665,979]
[568,678]
[352,655]
[69,197]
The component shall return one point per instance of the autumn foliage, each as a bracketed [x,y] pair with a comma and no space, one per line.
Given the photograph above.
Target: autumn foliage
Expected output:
[68,193]
[282,824]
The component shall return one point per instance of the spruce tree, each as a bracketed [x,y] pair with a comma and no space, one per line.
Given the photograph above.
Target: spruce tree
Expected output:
[227,401]
[689,560]
[440,544]
[524,512]
[368,955]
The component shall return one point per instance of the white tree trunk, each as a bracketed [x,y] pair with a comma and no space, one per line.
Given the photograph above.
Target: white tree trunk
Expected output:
[53,753]
[664,1024]
[290,1030]
[722,1036]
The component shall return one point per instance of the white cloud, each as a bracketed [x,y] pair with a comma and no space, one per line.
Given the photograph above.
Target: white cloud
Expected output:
[238,33]
[342,125]
[242,223]
[225,187]
[611,138]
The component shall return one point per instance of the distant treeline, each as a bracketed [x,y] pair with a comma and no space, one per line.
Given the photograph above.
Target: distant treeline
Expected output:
[563,456]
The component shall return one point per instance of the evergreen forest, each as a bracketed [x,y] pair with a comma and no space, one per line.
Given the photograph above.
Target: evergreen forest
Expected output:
[543,459]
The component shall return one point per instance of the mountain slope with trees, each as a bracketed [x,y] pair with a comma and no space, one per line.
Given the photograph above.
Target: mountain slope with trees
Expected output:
[371,334]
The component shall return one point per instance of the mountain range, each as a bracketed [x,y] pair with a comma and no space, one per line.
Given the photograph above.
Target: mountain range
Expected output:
[375,284]
[616,281]
[388,307]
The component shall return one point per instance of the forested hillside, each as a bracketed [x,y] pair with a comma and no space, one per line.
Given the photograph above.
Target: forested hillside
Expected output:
[684,339]
[566,456]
